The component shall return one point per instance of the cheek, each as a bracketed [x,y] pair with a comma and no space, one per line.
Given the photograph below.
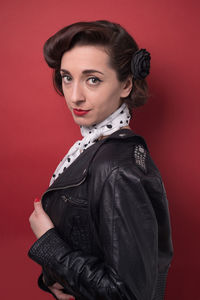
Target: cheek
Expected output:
[110,99]
[112,90]
[66,96]
[67,101]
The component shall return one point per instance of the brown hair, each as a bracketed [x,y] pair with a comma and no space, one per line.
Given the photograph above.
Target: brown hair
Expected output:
[118,43]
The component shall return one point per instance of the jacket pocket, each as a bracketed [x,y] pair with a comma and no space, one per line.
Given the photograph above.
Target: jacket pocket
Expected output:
[74,201]
[75,225]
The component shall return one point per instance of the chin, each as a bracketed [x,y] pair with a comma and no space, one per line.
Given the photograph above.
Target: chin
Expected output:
[87,120]
[82,122]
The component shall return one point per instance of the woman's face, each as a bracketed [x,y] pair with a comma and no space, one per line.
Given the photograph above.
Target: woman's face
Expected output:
[90,86]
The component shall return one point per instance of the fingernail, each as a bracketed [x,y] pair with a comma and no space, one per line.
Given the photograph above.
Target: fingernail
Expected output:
[37,200]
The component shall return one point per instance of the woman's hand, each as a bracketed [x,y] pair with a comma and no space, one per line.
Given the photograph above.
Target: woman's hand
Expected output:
[39,220]
[56,289]
[41,223]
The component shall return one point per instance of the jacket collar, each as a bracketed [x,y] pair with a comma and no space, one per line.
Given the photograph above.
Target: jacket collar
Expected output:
[77,171]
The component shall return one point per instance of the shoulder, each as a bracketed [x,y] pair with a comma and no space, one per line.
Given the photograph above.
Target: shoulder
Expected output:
[125,150]
[124,167]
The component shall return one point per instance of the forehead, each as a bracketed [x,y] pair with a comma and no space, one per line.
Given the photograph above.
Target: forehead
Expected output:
[85,57]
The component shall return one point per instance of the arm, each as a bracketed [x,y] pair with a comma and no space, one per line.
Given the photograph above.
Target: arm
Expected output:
[128,234]
[40,224]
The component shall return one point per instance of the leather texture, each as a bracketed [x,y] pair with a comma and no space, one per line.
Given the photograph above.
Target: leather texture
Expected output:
[112,235]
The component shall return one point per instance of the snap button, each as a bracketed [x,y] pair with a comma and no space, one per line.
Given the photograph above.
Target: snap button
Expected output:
[64,198]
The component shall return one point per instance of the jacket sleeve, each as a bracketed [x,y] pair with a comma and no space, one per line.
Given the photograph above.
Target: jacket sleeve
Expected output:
[128,232]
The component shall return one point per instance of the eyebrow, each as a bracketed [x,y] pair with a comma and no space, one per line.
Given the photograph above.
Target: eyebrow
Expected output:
[84,71]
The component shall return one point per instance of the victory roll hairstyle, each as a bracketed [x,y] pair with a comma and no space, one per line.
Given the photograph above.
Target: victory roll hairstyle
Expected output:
[117,42]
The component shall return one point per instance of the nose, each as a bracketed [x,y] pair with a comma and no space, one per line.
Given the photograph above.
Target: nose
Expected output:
[77,93]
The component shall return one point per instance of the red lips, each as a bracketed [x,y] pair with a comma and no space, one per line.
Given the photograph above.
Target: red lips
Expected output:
[80,112]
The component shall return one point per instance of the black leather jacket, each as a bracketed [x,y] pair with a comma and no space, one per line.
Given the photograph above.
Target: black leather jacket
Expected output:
[112,236]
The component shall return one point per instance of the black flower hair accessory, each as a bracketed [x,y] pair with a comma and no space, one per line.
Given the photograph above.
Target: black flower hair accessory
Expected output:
[140,64]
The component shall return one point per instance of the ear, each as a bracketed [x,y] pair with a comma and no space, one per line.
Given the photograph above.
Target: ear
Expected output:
[127,87]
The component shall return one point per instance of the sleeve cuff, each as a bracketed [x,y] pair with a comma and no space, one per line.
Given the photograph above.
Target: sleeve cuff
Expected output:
[46,247]
[41,284]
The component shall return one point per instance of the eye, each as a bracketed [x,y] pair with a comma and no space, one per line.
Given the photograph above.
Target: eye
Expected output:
[66,78]
[94,80]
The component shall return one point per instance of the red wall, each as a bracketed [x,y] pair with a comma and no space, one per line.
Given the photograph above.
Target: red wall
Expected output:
[37,129]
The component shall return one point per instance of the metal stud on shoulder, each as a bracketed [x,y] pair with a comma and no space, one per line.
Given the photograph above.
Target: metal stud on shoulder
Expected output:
[140,154]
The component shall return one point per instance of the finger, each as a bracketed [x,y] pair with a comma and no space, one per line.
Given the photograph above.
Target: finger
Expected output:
[37,205]
[37,200]
[66,297]
[57,285]
[62,296]
[69,297]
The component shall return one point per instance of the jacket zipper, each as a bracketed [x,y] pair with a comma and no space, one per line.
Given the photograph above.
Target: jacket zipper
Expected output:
[64,187]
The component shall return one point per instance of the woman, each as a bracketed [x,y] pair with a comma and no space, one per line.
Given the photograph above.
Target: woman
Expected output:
[102,227]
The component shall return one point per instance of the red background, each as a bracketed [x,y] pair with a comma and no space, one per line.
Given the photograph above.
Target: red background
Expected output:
[37,130]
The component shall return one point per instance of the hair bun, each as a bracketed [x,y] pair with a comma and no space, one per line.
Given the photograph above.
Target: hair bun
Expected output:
[140,64]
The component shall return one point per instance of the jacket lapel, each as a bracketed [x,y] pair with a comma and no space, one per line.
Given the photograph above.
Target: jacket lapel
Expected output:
[77,171]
